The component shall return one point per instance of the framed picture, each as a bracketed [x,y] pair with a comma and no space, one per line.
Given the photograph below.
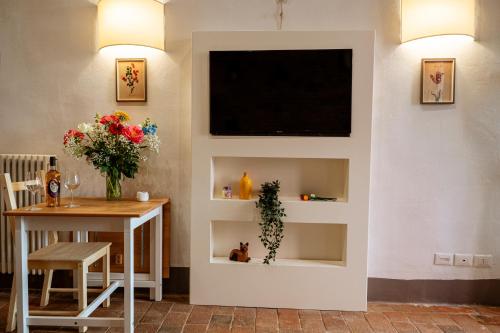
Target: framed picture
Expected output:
[131,80]
[438,81]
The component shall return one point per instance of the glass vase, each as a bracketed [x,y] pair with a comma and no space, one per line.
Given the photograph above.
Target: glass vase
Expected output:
[113,187]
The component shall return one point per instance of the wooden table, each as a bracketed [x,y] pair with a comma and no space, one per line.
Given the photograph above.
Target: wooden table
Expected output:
[94,214]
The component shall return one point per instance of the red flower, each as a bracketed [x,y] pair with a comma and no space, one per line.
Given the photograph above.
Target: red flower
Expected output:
[438,78]
[105,120]
[133,133]
[116,128]
[72,133]
[124,78]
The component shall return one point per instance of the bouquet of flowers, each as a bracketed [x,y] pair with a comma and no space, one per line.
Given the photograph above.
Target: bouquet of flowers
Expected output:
[113,147]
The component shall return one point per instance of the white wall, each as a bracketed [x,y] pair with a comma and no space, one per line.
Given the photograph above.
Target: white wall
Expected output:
[435,178]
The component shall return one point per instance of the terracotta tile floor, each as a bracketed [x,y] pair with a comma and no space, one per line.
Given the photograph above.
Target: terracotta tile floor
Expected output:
[175,315]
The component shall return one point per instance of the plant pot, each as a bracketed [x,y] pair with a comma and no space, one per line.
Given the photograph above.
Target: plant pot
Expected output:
[113,186]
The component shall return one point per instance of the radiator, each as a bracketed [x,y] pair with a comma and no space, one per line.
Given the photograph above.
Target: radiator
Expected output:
[17,165]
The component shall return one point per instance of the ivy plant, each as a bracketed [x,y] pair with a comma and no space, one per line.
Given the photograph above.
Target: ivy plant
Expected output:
[271,214]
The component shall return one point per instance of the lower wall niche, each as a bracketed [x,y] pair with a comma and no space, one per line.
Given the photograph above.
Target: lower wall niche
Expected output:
[304,244]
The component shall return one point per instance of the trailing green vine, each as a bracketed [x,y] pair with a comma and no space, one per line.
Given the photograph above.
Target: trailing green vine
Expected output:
[271,214]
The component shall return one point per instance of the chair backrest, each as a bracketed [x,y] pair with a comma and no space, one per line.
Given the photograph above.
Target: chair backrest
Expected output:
[9,189]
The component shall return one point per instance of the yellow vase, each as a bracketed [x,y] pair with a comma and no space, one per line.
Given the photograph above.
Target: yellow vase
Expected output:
[245,187]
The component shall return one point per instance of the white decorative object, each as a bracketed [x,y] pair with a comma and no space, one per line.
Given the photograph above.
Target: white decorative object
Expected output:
[322,263]
[142,196]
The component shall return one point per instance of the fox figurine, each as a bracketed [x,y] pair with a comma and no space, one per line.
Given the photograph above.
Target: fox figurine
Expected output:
[241,254]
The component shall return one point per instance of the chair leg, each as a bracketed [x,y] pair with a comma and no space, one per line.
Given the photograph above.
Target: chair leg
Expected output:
[11,316]
[106,276]
[47,283]
[82,290]
[75,283]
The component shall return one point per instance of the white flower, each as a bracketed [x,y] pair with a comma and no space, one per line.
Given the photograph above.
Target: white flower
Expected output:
[85,128]
[152,142]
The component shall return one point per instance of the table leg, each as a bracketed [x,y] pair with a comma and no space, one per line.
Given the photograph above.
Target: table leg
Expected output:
[82,291]
[21,257]
[128,238]
[76,239]
[155,256]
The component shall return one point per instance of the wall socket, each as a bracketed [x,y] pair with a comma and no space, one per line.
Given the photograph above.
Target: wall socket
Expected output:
[443,259]
[459,259]
[463,259]
[483,260]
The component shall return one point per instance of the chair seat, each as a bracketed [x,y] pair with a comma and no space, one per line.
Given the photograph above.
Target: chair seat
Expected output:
[67,255]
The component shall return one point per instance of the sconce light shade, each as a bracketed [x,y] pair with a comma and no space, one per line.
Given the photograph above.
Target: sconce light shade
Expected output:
[131,22]
[426,18]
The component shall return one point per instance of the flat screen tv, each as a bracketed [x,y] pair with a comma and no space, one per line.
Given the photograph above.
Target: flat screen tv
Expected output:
[281,93]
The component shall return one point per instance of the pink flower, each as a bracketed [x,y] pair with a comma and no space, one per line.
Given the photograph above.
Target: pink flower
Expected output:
[133,133]
[72,133]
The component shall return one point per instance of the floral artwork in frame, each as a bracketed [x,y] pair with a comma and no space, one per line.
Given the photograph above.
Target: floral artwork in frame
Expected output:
[131,80]
[438,81]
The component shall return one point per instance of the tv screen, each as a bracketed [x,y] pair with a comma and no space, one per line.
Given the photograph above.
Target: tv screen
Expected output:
[285,92]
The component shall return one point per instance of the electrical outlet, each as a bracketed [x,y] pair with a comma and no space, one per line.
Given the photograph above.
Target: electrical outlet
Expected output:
[443,259]
[483,260]
[463,259]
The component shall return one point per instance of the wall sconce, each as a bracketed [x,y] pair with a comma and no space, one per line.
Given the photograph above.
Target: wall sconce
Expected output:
[131,22]
[426,18]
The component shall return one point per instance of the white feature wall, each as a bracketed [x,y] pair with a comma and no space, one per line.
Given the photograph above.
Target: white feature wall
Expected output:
[435,183]
[323,264]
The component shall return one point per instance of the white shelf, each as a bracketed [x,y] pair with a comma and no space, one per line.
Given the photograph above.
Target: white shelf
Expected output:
[296,210]
[283,199]
[281,262]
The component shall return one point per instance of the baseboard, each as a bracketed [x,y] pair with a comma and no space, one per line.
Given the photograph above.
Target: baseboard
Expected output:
[485,292]
[178,283]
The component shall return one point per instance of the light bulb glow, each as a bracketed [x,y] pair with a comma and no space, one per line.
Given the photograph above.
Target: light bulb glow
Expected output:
[131,22]
[426,18]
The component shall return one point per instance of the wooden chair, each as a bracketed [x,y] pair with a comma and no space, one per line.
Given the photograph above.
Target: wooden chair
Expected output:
[56,256]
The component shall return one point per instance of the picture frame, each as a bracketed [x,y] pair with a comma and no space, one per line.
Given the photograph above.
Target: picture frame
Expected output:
[438,81]
[131,80]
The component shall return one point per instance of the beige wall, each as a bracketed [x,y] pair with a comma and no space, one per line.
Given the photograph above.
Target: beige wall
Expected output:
[435,179]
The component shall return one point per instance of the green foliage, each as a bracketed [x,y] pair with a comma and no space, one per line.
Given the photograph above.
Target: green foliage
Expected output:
[271,214]
[114,157]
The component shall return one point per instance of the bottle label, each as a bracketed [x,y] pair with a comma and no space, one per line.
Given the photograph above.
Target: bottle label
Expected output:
[54,188]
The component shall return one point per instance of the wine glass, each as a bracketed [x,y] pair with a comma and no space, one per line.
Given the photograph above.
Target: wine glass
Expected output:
[34,185]
[71,182]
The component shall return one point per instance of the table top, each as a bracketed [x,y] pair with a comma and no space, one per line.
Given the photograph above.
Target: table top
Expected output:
[94,207]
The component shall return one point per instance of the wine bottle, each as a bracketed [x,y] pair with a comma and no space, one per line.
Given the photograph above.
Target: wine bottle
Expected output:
[53,184]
